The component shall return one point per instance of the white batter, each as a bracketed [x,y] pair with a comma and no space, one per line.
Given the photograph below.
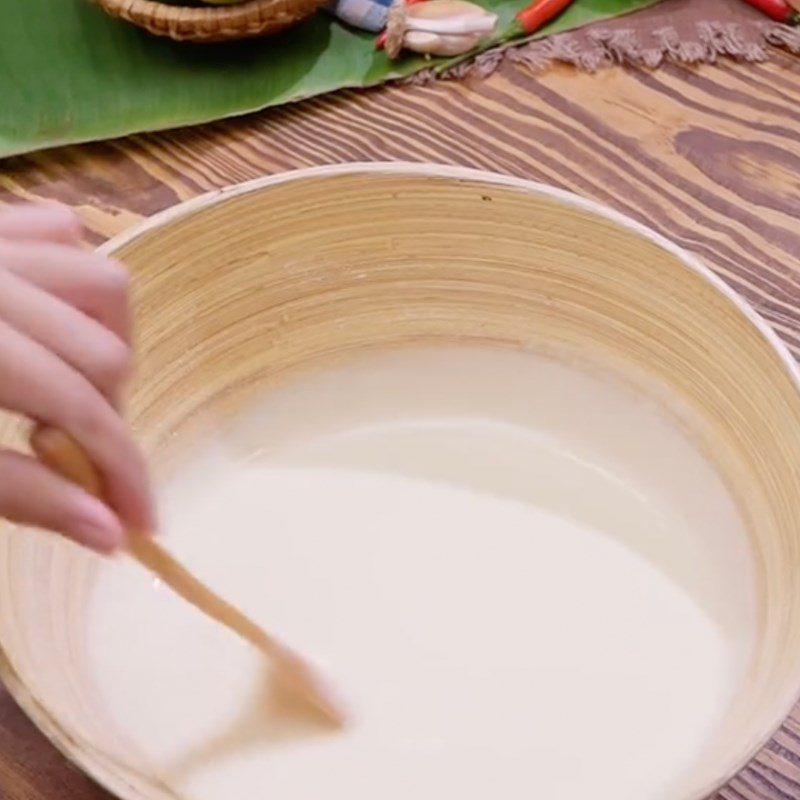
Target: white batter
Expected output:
[525,579]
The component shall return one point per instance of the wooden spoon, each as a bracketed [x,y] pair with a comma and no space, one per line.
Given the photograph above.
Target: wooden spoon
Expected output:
[64,455]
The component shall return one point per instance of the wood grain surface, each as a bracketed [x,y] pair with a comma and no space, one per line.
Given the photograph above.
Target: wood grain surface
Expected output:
[709,157]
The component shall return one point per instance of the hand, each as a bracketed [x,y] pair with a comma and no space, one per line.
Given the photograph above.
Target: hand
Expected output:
[65,356]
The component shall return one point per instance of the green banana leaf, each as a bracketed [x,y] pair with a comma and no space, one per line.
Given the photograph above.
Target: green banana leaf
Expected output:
[69,73]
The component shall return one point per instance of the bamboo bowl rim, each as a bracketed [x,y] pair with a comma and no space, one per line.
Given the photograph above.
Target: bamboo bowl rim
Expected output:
[212,23]
[86,756]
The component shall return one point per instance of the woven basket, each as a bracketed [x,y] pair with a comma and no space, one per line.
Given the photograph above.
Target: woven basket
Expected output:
[214,23]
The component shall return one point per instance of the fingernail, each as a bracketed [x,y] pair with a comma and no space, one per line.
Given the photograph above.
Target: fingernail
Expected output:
[97,526]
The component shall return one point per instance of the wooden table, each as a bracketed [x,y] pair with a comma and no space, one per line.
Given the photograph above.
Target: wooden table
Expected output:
[708,157]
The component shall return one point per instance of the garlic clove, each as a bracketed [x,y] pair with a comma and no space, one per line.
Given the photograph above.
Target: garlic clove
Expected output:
[437,44]
[437,27]
[453,25]
[449,16]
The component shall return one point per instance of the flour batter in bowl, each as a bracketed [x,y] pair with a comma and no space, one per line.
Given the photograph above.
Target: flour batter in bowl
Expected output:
[511,586]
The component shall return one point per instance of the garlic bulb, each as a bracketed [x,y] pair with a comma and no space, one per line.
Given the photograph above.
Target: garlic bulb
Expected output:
[437,27]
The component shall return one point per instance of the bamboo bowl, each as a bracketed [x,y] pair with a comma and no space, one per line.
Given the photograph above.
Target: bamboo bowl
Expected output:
[238,288]
[212,23]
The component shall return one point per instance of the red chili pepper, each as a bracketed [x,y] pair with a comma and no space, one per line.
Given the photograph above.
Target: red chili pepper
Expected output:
[779,10]
[380,42]
[539,13]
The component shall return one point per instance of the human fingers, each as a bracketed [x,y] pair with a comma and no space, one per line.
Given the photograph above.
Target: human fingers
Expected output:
[94,284]
[31,494]
[93,350]
[41,221]
[35,382]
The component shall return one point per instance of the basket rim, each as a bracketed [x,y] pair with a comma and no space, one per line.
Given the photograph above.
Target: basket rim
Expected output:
[211,23]
[227,14]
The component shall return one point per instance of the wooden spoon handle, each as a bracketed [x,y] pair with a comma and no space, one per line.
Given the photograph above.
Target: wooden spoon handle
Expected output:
[64,455]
